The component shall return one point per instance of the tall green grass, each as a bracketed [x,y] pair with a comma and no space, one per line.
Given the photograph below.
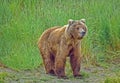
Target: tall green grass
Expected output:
[23,21]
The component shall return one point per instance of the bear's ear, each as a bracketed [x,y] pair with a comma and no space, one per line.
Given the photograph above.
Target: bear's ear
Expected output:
[83,21]
[70,21]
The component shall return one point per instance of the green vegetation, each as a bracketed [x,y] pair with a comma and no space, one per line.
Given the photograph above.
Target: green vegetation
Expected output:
[2,76]
[23,21]
[112,80]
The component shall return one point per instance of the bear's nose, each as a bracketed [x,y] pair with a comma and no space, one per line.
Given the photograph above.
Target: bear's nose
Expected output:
[83,33]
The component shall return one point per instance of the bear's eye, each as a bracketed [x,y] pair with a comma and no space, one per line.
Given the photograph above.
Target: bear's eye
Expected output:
[77,28]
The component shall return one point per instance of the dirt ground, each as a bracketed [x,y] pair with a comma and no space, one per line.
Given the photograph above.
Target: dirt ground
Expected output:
[91,74]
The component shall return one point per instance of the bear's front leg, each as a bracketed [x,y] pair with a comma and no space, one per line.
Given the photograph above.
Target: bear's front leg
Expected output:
[60,61]
[75,60]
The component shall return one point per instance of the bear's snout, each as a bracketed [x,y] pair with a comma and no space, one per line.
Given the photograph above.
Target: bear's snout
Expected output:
[82,33]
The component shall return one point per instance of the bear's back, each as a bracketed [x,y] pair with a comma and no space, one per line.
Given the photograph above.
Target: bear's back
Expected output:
[45,35]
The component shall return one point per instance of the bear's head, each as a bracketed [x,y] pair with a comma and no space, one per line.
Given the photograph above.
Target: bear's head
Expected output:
[76,29]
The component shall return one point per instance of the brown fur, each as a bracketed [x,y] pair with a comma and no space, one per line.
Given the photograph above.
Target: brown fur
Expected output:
[57,43]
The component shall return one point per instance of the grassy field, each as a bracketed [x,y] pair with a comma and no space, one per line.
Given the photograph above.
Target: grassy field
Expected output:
[23,21]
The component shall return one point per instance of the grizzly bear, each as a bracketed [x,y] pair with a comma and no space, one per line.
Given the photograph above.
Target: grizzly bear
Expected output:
[57,43]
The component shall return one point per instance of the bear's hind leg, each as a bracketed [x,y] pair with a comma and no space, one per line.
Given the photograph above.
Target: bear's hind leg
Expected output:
[52,58]
[48,63]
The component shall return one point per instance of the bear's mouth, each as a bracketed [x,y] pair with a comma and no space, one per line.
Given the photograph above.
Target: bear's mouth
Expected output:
[79,37]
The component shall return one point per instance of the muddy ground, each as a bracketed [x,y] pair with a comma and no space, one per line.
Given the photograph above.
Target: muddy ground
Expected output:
[91,74]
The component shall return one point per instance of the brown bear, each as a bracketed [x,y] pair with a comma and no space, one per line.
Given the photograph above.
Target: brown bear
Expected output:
[57,43]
